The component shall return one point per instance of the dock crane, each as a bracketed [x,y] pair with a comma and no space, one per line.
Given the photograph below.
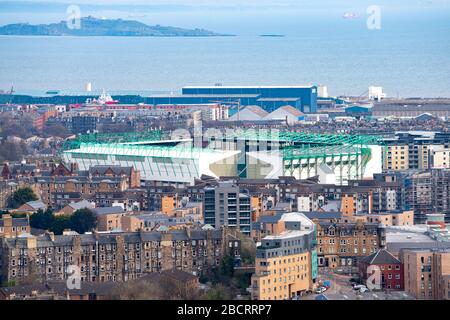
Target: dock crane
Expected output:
[10,93]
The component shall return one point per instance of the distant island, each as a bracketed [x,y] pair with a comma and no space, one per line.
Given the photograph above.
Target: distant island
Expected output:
[91,26]
[272,35]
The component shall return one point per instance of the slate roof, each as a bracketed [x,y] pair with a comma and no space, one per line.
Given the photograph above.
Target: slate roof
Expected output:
[81,205]
[323,215]
[382,256]
[38,204]
[116,169]
[108,210]
[271,219]
[105,238]
[17,222]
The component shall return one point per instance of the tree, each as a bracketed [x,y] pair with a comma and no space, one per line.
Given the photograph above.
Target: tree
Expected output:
[42,219]
[242,281]
[248,249]
[218,292]
[227,266]
[56,130]
[12,151]
[60,223]
[21,196]
[83,220]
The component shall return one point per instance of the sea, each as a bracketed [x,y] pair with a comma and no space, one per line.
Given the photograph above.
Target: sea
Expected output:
[406,60]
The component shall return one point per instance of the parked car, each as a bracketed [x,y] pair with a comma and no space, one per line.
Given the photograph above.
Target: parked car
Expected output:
[321,290]
[363,289]
[359,286]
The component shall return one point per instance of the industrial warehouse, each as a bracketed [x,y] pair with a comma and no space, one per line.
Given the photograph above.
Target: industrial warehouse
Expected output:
[256,154]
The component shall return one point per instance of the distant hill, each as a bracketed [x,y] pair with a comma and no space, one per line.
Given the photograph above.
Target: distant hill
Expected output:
[91,26]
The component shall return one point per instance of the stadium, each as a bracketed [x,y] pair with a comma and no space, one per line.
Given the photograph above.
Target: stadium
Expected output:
[256,154]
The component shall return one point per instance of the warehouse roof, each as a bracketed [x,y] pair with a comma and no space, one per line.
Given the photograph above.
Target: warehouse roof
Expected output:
[247,87]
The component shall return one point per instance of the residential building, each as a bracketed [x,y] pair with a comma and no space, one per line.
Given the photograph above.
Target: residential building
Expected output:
[227,205]
[285,264]
[74,206]
[413,150]
[13,227]
[119,256]
[7,189]
[427,273]
[344,244]
[108,290]
[109,218]
[389,267]
[31,207]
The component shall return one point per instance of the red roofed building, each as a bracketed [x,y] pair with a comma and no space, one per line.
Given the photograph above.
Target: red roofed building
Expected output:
[392,277]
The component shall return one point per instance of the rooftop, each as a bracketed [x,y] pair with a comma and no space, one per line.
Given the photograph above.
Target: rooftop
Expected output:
[246,87]
[381,257]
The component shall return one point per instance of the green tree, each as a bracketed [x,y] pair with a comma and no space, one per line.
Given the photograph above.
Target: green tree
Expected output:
[60,223]
[248,249]
[21,196]
[42,219]
[218,292]
[83,220]
[227,266]
[242,281]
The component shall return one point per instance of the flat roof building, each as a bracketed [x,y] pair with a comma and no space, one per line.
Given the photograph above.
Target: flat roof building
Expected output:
[286,262]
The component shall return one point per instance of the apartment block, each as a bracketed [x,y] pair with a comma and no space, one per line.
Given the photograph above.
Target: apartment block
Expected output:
[113,256]
[13,227]
[285,264]
[427,273]
[413,150]
[226,205]
[344,244]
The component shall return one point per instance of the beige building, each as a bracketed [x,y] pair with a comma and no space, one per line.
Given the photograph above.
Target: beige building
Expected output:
[344,244]
[427,273]
[401,218]
[115,218]
[285,263]
[130,223]
[13,227]
[74,206]
[113,256]
[109,218]
[440,158]
[396,157]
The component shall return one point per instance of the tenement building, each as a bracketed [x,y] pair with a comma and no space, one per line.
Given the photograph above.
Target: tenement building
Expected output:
[13,227]
[344,244]
[113,256]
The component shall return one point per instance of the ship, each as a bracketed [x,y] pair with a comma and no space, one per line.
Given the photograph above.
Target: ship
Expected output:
[104,99]
[10,91]
[272,35]
[52,92]
[350,15]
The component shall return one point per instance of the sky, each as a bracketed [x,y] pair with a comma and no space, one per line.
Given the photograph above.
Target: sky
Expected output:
[227,16]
